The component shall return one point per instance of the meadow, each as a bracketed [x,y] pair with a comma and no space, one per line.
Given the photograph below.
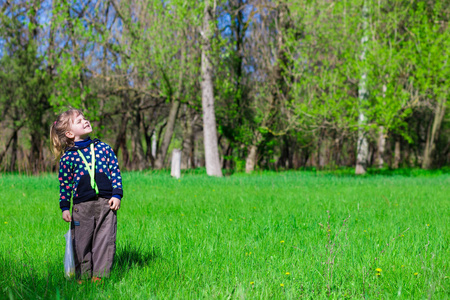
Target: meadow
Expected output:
[263,236]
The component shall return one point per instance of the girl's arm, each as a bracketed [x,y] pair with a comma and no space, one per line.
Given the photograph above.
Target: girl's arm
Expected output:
[65,182]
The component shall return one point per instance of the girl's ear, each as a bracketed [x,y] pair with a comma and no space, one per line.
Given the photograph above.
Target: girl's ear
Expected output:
[70,134]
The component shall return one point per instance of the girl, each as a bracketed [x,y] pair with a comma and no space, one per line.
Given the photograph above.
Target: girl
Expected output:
[89,174]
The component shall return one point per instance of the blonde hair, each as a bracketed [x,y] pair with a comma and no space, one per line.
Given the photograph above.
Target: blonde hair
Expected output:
[59,141]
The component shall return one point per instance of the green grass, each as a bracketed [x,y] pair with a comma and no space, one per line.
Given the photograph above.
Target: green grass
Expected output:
[242,237]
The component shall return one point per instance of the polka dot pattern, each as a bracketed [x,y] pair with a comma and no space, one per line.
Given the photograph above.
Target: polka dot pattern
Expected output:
[72,169]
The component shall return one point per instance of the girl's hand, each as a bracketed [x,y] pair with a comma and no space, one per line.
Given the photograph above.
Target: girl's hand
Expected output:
[66,216]
[114,203]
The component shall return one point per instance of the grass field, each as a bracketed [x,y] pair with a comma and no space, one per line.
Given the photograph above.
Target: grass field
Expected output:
[269,235]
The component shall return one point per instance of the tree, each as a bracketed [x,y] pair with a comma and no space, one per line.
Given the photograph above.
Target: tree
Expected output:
[209,118]
[362,143]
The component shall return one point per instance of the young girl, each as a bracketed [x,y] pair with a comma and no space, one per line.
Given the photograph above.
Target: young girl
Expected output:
[89,174]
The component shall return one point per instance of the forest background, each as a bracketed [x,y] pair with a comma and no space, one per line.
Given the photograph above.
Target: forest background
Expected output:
[237,85]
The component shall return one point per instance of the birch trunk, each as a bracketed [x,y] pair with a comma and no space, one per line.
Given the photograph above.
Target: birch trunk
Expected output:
[212,160]
[381,138]
[176,163]
[433,135]
[154,143]
[362,144]
[381,147]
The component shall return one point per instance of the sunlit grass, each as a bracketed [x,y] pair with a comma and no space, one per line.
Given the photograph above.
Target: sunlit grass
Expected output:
[268,235]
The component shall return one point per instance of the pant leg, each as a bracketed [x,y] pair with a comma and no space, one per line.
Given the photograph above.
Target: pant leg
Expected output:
[104,239]
[83,223]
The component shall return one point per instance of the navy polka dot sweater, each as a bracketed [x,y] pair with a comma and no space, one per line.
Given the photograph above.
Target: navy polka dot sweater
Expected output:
[74,177]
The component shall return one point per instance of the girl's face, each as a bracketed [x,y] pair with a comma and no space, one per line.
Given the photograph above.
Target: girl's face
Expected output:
[80,128]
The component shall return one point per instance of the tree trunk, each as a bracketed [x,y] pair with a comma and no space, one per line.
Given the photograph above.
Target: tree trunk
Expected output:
[252,155]
[212,160]
[121,140]
[36,155]
[381,147]
[250,162]
[188,137]
[139,161]
[176,163]
[154,144]
[13,140]
[14,149]
[433,135]
[161,156]
[362,144]
[381,138]
[396,155]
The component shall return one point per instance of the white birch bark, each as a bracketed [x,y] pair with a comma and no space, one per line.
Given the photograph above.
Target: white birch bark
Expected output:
[212,160]
[154,144]
[362,144]
[176,163]
[381,138]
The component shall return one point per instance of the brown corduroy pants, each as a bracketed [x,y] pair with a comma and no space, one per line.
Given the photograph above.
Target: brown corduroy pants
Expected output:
[94,227]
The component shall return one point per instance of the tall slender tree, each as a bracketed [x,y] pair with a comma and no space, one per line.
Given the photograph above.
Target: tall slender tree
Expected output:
[362,147]
[212,158]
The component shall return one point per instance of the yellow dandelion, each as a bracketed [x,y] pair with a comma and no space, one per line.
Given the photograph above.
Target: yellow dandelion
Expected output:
[428,225]
[210,260]
[287,273]
[250,253]
[281,284]
[231,219]
[329,230]
[281,242]
[377,274]
[403,266]
[252,283]
[415,274]
[6,222]
[365,230]
[403,235]
[378,270]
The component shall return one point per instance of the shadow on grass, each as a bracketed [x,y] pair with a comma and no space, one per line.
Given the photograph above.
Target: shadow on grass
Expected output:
[130,256]
[27,280]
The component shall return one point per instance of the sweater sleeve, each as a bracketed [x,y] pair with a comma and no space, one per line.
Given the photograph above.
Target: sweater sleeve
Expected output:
[65,182]
[116,178]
